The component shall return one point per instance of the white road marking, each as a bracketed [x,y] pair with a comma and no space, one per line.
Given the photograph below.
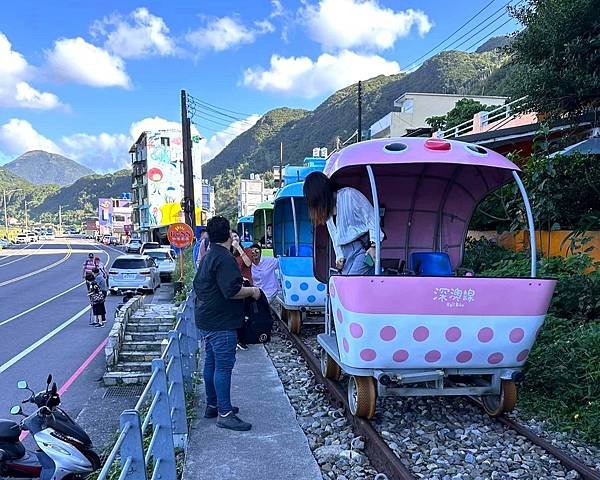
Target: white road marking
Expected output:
[42,340]
[16,254]
[35,272]
[35,307]
[4,322]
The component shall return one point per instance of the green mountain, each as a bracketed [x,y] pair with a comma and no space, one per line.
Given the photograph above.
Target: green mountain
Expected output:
[81,198]
[257,149]
[41,167]
[10,181]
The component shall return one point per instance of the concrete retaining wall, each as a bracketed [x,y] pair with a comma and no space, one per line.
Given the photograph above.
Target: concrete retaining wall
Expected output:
[117,332]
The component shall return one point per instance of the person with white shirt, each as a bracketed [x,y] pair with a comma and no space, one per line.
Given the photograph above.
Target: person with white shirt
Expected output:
[349,217]
[263,273]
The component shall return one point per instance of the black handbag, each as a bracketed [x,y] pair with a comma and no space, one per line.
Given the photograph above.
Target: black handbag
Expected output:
[258,321]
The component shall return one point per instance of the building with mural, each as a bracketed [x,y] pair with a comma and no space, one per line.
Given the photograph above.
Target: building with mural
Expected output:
[115,216]
[208,200]
[157,182]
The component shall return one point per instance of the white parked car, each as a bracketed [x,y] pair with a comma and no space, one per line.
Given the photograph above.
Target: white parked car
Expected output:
[164,260]
[23,238]
[133,272]
[33,237]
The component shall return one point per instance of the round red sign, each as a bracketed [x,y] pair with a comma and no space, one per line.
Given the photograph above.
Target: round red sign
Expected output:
[180,235]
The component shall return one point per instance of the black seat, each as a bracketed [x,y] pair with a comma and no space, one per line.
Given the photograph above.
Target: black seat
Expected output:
[9,440]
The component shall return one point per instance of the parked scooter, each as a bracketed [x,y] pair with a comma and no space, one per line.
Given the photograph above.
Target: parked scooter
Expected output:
[65,450]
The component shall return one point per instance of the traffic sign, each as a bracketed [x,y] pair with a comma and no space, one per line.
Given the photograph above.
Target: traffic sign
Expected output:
[180,235]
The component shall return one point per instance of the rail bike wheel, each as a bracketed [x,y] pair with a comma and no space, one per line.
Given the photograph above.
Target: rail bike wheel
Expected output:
[294,321]
[495,405]
[362,396]
[329,369]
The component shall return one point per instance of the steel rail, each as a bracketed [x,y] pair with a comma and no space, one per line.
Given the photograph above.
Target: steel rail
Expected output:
[383,457]
[380,454]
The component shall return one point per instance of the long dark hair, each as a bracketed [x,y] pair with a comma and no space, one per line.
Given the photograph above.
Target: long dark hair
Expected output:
[318,191]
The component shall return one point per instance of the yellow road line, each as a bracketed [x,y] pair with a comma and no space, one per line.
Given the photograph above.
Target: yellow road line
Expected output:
[44,269]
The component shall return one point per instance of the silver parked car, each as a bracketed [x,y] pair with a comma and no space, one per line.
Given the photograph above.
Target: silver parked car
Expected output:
[164,260]
[134,272]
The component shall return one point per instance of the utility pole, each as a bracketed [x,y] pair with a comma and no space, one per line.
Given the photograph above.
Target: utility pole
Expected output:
[359,138]
[280,164]
[26,222]
[60,220]
[188,203]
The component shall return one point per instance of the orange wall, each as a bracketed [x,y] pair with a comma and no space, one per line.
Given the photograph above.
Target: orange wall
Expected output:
[549,243]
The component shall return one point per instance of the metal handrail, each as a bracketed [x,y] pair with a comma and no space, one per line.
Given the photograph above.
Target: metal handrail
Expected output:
[498,112]
[171,378]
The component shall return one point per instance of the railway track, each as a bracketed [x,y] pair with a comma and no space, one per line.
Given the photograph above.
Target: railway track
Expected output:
[383,458]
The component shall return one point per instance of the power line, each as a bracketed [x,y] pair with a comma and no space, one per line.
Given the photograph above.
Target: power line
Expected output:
[453,44]
[452,34]
[202,102]
[496,29]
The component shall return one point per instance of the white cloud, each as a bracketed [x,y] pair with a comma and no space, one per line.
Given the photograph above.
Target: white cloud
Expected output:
[342,24]
[18,136]
[138,35]
[212,146]
[74,59]
[223,33]
[106,152]
[277,9]
[14,90]
[307,78]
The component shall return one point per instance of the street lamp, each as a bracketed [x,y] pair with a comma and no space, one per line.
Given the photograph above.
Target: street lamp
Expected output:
[4,192]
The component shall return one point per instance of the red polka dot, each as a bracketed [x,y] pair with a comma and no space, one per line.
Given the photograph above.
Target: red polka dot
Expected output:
[345,345]
[516,335]
[421,334]
[495,358]
[485,334]
[522,356]
[356,330]
[464,356]
[453,334]
[340,316]
[400,356]
[368,354]
[387,333]
[432,356]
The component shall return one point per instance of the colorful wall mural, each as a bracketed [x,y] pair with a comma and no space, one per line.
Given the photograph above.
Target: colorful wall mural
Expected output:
[165,178]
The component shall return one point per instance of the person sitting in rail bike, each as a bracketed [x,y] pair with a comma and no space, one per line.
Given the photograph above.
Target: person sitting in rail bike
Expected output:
[348,215]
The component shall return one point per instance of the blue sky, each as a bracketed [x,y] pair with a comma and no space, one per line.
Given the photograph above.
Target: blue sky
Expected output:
[83,78]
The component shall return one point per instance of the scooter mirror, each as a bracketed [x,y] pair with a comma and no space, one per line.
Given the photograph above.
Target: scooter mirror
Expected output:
[22,385]
[49,379]
[16,410]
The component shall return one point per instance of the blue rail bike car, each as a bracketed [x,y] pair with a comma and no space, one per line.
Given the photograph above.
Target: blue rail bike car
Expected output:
[245,229]
[302,296]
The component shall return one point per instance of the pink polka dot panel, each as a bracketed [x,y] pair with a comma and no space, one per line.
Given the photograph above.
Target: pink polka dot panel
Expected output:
[495,358]
[420,334]
[387,333]
[433,356]
[516,335]
[400,356]
[453,334]
[522,356]
[356,330]
[464,356]
[485,334]
[368,354]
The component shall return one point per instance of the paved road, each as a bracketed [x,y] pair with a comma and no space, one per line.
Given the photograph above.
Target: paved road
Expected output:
[44,313]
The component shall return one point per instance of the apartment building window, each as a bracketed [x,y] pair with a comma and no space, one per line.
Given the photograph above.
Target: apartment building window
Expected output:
[408,106]
[166,141]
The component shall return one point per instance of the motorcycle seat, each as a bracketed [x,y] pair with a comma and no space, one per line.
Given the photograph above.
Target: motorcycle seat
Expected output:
[12,451]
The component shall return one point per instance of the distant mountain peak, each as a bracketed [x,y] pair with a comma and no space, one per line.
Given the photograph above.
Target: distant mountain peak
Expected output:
[40,167]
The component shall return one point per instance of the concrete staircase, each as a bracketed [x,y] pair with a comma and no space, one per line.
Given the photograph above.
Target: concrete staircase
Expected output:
[145,330]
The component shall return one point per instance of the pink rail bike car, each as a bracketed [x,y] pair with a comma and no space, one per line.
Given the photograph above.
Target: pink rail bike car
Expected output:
[420,326]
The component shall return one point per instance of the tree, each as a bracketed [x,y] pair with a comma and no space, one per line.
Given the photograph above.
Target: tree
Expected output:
[463,110]
[557,55]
